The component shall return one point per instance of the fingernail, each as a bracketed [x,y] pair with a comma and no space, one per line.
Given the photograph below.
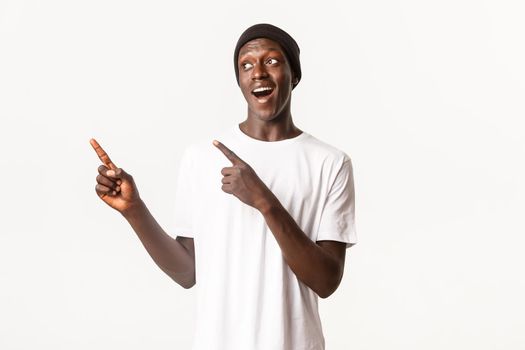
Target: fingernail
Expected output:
[110,173]
[119,182]
[114,192]
[118,188]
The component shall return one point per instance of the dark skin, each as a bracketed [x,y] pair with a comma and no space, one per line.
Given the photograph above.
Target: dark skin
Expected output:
[320,264]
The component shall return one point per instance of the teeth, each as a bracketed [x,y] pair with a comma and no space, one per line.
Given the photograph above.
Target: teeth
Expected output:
[264,88]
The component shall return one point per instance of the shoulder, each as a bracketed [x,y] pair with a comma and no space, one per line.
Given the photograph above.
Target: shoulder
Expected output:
[326,152]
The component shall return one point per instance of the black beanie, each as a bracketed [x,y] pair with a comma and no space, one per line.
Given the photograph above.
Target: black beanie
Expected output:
[264,30]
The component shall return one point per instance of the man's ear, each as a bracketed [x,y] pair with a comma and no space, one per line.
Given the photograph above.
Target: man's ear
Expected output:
[295,81]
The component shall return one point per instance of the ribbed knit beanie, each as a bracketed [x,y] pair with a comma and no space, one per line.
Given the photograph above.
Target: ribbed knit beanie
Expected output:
[264,30]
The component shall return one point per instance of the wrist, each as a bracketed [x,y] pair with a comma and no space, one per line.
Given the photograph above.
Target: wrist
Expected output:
[134,209]
[267,204]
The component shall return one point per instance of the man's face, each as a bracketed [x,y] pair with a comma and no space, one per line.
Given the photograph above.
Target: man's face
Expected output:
[265,78]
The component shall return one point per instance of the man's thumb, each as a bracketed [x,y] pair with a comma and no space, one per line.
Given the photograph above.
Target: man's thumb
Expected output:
[118,173]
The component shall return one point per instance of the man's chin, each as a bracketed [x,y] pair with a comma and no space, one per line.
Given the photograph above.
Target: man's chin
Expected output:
[265,116]
[263,113]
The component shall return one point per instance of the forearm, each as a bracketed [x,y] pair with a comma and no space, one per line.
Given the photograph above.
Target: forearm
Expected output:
[169,254]
[311,264]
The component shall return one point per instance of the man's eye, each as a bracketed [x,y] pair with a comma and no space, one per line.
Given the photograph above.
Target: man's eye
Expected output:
[272,61]
[246,66]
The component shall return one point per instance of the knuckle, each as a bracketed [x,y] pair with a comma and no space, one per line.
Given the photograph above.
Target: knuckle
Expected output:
[103,188]
[101,168]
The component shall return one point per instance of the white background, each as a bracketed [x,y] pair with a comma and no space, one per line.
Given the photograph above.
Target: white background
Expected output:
[425,96]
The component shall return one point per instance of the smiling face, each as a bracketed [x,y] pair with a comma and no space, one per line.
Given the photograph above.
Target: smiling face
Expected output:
[265,79]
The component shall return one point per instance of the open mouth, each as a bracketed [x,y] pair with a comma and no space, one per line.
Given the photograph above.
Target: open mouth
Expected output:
[262,91]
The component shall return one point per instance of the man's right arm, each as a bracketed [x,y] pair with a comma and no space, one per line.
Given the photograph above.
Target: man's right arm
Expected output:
[175,257]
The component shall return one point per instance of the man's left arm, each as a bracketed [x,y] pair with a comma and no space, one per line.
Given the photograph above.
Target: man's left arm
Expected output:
[318,265]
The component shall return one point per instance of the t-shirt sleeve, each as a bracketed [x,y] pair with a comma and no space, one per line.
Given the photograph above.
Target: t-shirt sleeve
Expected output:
[182,223]
[337,221]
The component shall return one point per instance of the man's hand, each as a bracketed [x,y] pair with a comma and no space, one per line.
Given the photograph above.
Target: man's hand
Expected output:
[114,186]
[242,181]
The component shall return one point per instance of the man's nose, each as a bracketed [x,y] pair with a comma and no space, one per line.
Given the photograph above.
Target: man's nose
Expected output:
[259,71]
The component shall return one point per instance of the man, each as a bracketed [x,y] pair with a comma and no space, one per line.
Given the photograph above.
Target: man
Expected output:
[263,217]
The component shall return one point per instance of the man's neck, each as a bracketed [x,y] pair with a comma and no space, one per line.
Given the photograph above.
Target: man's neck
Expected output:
[270,130]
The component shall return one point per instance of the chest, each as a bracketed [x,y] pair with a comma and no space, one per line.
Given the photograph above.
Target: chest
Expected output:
[296,182]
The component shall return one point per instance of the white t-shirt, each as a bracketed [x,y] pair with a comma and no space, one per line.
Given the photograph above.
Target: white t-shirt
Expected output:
[248,298]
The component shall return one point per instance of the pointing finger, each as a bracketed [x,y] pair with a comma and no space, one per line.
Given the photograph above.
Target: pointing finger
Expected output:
[228,153]
[102,154]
